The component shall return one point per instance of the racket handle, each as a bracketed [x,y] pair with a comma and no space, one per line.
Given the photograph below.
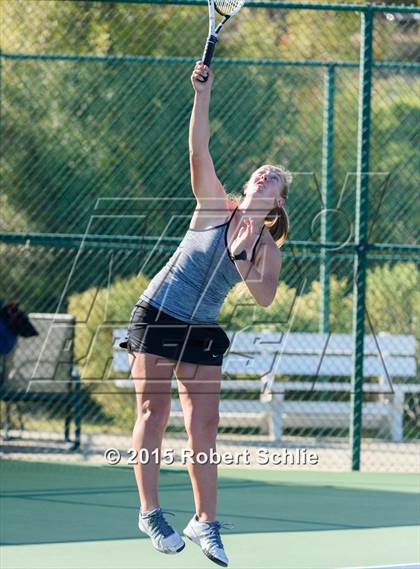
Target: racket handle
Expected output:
[208,53]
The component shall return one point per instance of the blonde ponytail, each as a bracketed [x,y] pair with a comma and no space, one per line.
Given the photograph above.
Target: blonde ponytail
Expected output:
[277,222]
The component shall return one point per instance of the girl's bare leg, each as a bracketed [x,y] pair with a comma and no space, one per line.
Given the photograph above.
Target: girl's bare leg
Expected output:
[152,379]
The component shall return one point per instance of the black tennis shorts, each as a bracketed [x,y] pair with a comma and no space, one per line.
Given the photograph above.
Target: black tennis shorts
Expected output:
[153,331]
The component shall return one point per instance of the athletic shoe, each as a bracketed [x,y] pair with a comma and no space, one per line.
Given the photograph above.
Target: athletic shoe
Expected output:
[207,536]
[164,538]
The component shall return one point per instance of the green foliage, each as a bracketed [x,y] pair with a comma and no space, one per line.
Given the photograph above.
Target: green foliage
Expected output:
[98,312]
[396,215]
[78,130]
[393,298]
[338,40]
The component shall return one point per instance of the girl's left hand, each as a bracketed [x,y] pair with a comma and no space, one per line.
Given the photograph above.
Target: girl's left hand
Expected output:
[245,239]
[201,70]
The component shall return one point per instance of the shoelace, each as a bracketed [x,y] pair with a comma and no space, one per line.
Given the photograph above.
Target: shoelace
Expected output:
[158,525]
[213,532]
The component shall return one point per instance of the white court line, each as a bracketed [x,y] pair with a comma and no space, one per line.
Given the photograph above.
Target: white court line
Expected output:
[398,566]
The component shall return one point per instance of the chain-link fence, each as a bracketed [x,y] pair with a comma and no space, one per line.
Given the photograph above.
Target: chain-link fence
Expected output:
[95,104]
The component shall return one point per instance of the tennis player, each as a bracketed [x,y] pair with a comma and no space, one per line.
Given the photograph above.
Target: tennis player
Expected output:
[173,326]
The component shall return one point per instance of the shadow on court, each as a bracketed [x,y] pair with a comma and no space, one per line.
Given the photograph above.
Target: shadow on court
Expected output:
[52,502]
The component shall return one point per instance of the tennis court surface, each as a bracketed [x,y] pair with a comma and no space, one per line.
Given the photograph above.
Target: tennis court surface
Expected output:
[62,515]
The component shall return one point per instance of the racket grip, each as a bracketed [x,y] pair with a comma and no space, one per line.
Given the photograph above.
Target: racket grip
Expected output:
[208,52]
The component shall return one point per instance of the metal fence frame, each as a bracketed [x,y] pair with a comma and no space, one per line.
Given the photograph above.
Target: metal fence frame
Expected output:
[361,250]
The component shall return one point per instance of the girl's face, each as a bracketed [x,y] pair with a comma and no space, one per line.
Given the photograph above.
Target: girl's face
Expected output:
[266,184]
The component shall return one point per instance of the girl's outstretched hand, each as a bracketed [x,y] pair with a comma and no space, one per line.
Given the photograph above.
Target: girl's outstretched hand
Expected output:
[201,70]
[245,238]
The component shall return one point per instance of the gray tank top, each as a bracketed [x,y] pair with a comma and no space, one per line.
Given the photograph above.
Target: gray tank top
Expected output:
[195,281]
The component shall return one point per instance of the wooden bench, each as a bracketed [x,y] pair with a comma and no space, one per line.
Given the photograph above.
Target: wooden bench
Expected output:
[268,355]
[40,369]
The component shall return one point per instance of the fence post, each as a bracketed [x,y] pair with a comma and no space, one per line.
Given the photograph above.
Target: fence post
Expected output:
[327,194]
[361,222]
[1,101]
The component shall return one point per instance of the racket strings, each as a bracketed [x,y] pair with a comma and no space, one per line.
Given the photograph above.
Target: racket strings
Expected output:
[228,7]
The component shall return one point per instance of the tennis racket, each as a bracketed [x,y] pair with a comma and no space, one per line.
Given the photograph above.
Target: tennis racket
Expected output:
[227,9]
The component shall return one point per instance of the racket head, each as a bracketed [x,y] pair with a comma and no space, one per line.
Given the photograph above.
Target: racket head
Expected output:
[228,7]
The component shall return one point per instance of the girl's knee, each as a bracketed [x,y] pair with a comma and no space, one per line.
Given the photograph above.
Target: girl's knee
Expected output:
[203,429]
[154,414]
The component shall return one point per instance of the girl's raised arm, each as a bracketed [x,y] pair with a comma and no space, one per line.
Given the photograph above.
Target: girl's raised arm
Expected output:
[205,184]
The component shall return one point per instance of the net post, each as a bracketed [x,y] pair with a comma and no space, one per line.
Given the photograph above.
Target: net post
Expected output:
[1,100]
